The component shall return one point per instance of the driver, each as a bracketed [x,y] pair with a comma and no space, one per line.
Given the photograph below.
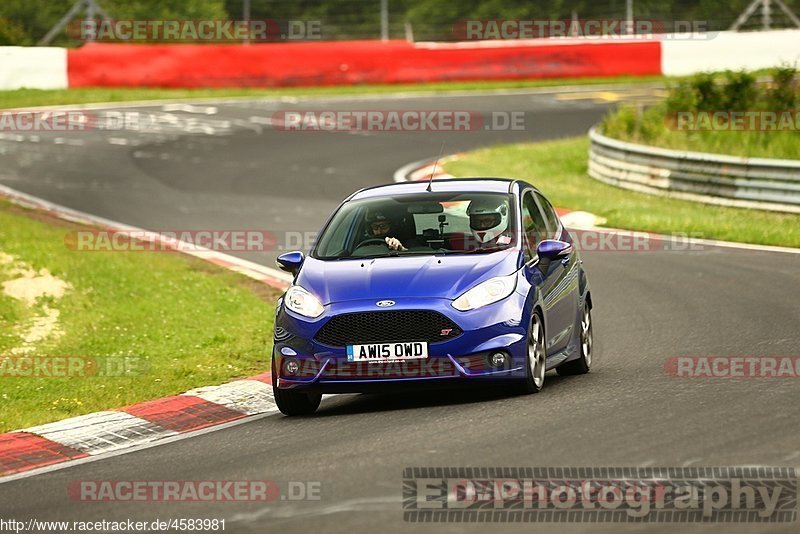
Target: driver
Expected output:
[488,221]
[379,226]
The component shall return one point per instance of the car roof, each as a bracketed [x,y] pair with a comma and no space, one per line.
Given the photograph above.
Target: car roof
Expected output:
[454,185]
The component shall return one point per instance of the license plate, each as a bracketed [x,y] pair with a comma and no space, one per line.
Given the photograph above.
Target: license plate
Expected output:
[387,352]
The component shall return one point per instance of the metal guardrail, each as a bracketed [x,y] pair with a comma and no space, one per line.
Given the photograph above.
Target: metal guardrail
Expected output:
[767,184]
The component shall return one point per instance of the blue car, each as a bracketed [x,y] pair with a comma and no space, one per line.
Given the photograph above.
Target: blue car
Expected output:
[434,283]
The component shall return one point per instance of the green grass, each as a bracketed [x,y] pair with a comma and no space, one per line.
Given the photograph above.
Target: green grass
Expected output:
[650,127]
[186,323]
[11,312]
[42,97]
[559,169]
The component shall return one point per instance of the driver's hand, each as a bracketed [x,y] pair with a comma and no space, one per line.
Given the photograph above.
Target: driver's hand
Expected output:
[394,244]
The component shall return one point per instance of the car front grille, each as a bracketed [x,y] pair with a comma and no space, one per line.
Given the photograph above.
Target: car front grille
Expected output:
[387,327]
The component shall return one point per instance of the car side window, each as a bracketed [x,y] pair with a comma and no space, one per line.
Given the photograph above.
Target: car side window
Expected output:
[549,215]
[533,224]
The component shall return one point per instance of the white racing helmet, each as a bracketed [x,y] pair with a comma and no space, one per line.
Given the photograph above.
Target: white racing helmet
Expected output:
[488,218]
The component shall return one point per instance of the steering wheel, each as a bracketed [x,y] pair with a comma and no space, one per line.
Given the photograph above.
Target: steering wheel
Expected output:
[372,241]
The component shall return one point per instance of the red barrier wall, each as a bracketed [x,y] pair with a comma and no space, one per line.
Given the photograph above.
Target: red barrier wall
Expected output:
[350,62]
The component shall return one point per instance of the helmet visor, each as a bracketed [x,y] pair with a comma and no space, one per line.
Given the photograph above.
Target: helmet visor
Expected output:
[484,221]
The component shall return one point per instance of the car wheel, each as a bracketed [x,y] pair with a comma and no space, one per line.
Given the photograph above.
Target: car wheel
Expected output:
[584,363]
[292,402]
[535,358]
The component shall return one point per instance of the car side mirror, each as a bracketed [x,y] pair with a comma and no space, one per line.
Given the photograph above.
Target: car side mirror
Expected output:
[291,261]
[552,249]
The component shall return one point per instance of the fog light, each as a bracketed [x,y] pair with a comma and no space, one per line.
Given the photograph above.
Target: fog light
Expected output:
[291,367]
[497,359]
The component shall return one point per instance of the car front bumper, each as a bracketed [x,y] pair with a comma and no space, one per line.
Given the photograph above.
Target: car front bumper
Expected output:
[465,358]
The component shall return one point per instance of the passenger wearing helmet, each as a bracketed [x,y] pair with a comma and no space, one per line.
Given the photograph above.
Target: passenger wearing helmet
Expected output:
[488,221]
[379,226]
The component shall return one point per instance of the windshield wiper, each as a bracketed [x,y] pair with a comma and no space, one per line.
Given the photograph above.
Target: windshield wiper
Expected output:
[369,257]
[485,250]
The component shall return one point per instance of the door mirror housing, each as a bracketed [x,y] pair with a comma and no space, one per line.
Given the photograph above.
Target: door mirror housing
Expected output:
[552,249]
[291,261]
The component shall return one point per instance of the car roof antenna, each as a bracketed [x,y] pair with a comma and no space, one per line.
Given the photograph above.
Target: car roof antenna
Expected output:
[435,164]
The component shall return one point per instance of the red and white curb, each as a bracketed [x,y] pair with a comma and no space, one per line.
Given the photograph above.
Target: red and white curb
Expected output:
[111,431]
[432,171]
[424,169]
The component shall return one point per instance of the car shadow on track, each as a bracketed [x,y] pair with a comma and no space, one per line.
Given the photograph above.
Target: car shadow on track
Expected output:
[429,398]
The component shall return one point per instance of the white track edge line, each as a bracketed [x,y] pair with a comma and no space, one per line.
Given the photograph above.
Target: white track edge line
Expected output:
[520,91]
[80,216]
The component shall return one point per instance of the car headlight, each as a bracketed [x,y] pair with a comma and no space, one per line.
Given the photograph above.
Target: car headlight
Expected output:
[301,301]
[488,292]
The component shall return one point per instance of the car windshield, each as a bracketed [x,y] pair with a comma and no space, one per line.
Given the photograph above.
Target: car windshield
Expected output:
[428,223]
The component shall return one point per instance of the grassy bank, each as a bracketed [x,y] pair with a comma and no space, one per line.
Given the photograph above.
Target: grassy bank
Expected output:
[163,321]
[690,118]
[654,127]
[559,169]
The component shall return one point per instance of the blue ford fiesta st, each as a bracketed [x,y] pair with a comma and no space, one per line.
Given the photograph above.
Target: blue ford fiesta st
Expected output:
[432,283]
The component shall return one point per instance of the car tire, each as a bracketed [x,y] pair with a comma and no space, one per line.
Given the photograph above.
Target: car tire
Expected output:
[292,402]
[535,357]
[581,365]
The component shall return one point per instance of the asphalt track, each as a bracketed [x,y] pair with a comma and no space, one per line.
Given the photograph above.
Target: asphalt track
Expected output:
[649,306]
